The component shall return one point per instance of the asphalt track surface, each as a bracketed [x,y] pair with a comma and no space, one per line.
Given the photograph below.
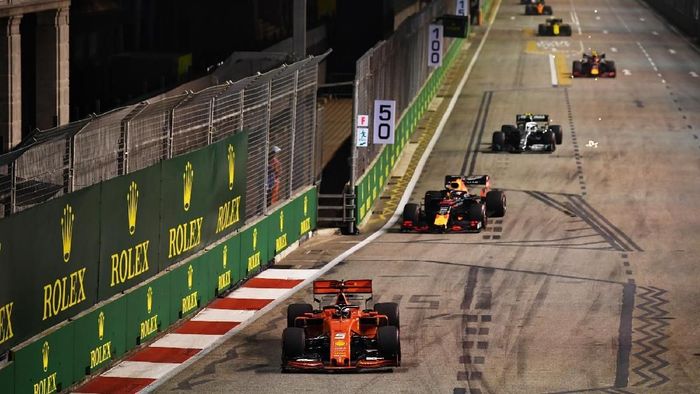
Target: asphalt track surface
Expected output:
[590,282]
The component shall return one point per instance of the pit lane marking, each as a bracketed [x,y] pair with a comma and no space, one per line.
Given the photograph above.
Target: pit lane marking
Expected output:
[693,74]
[671,51]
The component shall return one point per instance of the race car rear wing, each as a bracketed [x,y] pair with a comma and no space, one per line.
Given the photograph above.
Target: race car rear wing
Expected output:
[531,118]
[345,286]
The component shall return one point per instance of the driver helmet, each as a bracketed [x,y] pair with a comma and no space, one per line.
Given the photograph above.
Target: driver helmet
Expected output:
[594,53]
[531,127]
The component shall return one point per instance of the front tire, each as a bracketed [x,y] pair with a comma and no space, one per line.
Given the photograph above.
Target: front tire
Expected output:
[496,203]
[558,135]
[293,343]
[551,140]
[498,141]
[389,343]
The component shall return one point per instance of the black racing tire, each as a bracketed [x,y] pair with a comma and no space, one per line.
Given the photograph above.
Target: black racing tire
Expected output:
[541,30]
[558,135]
[431,202]
[296,310]
[476,211]
[610,67]
[564,30]
[547,10]
[551,140]
[577,68]
[389,343]
[496,203]
[391,310]
[293,343]
[411,211]
[498,141]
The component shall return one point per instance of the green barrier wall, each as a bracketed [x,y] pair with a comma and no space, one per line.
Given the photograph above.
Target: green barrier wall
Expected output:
[50,265]
[99,337]
[230,174]
[306,206]
[148,311]
[282,229]
[7,378]
[189,287]
[372,183]
[254,247]
[130,228]
[225,265]
[46,366]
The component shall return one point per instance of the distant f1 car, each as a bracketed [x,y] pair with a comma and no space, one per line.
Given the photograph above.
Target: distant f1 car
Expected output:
[593,66]
[554,27]
[531,133]
[538,8]
[341,334]
[455,209]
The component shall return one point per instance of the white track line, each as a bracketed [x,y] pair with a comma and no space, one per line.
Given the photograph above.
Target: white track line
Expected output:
[186,341]
[404,199]
[276,273]
[553,71]
[223,315]
[141,369]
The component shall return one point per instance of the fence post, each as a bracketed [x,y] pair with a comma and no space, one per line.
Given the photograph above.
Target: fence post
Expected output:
[210,134]
[267,145]
[294,132]
[13,186]
[353,161]
[169,131]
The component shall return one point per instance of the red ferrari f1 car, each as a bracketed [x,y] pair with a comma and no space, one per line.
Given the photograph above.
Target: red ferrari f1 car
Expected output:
[341,334]
[455,208]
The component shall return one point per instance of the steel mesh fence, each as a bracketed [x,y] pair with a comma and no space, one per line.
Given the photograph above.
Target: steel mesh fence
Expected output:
[276,108]
[395,69]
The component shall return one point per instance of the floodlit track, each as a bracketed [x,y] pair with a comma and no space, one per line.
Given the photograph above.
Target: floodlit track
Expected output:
[590,281]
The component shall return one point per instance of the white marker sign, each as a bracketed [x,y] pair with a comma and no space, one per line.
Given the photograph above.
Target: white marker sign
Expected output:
[384,119]
[461,9]
[362,120]
[362,137]
[435,46]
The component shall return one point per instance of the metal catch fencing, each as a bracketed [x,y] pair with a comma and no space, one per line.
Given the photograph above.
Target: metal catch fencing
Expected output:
[277,108]
[395,69]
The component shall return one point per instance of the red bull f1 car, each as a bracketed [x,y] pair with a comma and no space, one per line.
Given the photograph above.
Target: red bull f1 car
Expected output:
[593,66]
[455,208]
[341,334]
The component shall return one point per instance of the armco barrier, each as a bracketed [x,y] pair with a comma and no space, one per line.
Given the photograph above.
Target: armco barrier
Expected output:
[100,337]
[130,230]
[88,343]
[189,287]
[372,183]
[46,365]
[254,247]
[148,310]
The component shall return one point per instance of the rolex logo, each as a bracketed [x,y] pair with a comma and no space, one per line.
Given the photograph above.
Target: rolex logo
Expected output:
[132,201]
[225,256]
[67,231]
[282,221]
[149,299]
[45,355]
[101,325]
[190,274]
[187,179]
[231,166]
[255,238]
[306,205]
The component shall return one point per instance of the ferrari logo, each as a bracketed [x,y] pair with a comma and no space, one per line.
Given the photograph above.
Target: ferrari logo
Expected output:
[281,221]
[149,299]
[187,180]
[132,204]
[231,166]
[190,273]
[255,238]
[67,231]
[225,256]
[45,355]
[101,325]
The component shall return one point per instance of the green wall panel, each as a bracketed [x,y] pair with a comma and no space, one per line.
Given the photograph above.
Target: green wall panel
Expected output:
[254,247]
[7,378]
[282,228]
[54,252]
[46,366]
[100,336]
[229,181]
[226,267]
[306,205]
[130,230]
[190,287]
[148,310]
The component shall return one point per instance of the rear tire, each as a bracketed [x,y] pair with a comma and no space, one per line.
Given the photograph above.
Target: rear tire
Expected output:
[496,203]
[541,30]
[296,310]
[530,10]
[293,343]
[389,343]
[498,141]
[558,135]
[391,310]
